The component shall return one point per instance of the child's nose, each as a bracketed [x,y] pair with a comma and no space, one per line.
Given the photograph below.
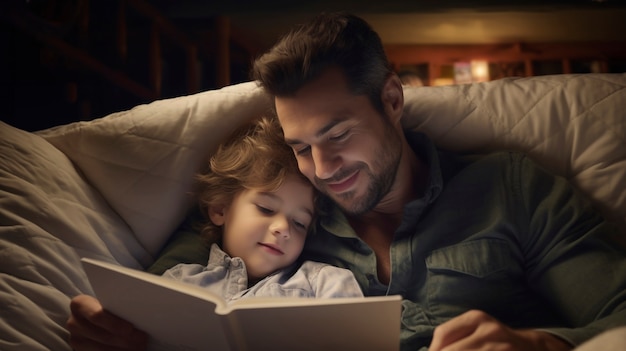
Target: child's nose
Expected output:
[280,226]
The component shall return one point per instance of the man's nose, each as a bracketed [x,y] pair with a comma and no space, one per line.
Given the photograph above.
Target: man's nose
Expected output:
[326,163]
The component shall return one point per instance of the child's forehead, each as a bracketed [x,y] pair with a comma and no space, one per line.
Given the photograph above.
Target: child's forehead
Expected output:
[297,180]
[289,187]
[292,190]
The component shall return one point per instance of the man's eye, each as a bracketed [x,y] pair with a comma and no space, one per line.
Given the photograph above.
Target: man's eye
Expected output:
[339,137]
[303,151]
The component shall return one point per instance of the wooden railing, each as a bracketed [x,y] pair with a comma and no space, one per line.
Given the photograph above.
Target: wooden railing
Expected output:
[140,53]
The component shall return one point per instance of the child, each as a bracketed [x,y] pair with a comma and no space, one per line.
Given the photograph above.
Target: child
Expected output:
[259,209]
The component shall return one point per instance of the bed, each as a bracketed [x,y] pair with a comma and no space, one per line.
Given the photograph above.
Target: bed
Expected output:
[118,187]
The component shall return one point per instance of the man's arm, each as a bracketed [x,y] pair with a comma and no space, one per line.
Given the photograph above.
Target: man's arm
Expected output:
[572,258]
[571,263]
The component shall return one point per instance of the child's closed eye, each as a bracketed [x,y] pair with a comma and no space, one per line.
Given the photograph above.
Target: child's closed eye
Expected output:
[264,209]
[300,225]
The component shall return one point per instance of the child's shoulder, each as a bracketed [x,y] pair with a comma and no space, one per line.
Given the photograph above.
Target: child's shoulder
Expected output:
[313,268]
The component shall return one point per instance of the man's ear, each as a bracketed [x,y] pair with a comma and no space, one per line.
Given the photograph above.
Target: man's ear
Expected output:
[393,98]
[217,214]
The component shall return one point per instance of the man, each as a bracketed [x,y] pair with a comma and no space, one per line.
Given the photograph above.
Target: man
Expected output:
[489,253]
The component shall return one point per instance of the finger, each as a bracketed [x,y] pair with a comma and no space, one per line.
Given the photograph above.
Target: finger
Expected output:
[487,336]
[92,325]
[87,308]
[83,331]
[457,328]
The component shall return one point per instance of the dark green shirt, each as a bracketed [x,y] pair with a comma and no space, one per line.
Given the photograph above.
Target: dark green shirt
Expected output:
[495,233]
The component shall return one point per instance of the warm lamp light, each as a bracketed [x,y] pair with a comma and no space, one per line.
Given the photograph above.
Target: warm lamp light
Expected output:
[480,70]
[471,72]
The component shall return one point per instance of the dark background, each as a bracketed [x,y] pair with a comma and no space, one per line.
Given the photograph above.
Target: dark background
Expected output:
[62,60]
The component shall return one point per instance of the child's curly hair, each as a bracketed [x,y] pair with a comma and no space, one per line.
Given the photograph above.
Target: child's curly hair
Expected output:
[255,157]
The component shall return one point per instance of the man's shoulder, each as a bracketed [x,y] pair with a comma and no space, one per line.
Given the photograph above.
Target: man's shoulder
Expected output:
[452,163]
[499,156]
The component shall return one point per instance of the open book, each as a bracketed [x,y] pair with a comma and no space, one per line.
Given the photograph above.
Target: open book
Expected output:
[181,316]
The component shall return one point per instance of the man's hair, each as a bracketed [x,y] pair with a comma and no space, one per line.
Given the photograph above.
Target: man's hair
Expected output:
[329,40]
[255,157]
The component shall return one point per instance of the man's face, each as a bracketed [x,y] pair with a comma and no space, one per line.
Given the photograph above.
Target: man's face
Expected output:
[343,145]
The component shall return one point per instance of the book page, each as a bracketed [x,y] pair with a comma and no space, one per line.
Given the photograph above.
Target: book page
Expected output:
[364,323]
[177,316]
[183,317]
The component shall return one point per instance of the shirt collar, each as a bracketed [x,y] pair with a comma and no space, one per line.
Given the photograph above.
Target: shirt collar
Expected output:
[217,257]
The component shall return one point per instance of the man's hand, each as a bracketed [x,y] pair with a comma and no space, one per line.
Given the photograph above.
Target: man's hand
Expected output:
[476,330]
[94,329]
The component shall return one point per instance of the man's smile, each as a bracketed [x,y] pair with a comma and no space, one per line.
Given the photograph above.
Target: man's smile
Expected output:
[344,184]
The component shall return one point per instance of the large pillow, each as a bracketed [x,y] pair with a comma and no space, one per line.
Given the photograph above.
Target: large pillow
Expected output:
[49,218]
[114,189]
[142,160]
[573,125]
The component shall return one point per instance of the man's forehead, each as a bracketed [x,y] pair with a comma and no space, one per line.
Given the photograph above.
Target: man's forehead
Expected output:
[332,109]
[331,81]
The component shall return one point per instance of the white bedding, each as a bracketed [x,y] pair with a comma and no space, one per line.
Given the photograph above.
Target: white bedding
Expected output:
[116,188]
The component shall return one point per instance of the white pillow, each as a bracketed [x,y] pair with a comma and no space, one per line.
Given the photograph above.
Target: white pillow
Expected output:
[143,160]
[573,125]
[49,218]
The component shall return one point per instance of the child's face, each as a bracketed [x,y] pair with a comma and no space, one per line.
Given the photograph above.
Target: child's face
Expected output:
[268,229]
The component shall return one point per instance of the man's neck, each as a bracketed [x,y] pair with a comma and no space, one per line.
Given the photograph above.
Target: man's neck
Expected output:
[376,230]
[377,227]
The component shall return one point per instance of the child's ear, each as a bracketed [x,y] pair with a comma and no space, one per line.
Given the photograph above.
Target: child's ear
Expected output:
[217,214]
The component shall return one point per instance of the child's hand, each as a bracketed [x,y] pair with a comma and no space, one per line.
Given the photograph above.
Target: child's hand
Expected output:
[93,328]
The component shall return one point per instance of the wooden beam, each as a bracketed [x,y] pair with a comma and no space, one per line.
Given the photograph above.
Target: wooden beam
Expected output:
[122,31]
[222,32]
[166,27]
[81,57]
[193,71]
[154,59]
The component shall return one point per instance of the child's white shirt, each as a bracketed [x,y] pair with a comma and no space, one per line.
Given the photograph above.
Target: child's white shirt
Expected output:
[227,276]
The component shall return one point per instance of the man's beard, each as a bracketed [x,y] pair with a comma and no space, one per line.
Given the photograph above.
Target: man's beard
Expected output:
[380,180]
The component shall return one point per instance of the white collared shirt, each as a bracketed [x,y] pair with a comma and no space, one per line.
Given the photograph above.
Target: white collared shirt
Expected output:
[227,276]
